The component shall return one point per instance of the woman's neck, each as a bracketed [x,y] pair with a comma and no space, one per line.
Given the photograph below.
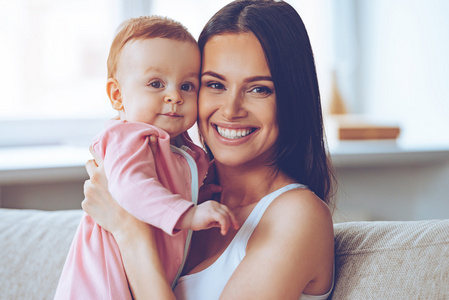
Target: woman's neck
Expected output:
[242,186]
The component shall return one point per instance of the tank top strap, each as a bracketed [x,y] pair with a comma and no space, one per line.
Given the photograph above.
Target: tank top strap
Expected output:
[253,219]
[194,190]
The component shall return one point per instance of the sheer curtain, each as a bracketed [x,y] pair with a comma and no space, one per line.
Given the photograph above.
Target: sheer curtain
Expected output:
[53,56]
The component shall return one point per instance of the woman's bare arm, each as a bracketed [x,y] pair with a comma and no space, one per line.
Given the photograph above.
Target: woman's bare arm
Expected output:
[135,239]
[290,252]
[146,275]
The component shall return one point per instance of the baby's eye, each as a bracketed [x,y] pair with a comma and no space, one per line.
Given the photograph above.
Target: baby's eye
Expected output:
[156,84]
[188,87]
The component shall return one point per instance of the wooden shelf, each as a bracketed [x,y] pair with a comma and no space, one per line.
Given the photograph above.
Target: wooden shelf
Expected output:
[385,153]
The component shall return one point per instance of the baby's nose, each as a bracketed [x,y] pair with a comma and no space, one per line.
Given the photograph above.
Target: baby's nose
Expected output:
[173,98]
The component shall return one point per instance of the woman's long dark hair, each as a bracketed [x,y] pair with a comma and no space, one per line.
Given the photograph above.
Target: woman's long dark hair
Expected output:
[300,146]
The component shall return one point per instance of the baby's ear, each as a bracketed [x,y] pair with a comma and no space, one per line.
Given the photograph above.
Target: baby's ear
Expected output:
[114,94]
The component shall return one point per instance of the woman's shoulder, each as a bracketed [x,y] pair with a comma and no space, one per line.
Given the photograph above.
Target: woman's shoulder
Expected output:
[298,210]
[299,206]
[301,222]
[298,218]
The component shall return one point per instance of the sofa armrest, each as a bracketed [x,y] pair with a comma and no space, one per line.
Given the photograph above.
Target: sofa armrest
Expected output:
[392,260]
[33,248]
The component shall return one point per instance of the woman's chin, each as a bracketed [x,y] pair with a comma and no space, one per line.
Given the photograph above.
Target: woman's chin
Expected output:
[230,158]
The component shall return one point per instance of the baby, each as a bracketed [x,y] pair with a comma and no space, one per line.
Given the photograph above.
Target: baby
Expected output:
[153,71]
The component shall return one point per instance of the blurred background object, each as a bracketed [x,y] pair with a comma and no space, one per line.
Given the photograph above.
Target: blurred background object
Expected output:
[382,64]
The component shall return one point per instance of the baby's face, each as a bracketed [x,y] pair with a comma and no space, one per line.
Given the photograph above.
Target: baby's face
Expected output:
[159,82]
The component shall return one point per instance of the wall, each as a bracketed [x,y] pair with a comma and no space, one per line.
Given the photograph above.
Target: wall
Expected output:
[45,196]
[407,192]
[365,192]
[393,64]
[404,64]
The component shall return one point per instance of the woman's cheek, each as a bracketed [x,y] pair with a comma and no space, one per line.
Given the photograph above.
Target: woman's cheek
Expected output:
[204,109]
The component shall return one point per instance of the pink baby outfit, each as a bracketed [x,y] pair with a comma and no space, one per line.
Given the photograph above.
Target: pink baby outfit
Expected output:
[154,188]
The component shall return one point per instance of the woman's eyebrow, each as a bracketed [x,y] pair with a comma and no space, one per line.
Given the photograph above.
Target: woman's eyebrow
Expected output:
[249,79]
[213,74]
[257,78]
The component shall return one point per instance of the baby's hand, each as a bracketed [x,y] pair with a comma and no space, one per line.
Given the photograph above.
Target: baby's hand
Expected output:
[207,215]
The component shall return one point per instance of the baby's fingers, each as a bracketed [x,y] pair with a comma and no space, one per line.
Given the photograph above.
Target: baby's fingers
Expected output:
[226,220]
[232,217]
[224,223]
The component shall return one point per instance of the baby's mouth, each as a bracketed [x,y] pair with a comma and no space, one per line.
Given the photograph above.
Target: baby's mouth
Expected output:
[172,114]
[233,134]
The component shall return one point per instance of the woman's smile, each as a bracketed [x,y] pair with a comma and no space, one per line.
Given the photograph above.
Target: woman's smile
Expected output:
[233,133]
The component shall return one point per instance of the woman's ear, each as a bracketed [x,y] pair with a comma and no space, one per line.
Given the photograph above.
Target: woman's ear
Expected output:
[114,94]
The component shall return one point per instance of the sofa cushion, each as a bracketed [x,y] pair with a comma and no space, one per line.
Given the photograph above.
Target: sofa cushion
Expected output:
[392,260]
[33,248]
[374,260]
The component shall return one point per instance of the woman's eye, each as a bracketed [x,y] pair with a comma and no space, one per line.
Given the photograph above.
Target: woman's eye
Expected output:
[215,85]
[188,87]
[263,90]
[156,84]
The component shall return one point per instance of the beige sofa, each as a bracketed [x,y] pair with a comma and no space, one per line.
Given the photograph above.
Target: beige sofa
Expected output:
[374,260]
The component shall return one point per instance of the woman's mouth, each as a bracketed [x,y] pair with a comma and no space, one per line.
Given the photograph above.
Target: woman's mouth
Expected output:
[232,133]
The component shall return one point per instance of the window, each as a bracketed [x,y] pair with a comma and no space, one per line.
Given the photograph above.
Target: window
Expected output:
[53,55]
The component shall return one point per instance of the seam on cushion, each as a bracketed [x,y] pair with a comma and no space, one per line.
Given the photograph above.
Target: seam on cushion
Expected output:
[367,251]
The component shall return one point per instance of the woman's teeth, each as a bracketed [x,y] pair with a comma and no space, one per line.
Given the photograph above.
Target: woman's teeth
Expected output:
[233,134]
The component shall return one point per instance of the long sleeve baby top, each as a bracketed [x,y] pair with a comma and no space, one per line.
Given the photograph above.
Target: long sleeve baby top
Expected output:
[154,188]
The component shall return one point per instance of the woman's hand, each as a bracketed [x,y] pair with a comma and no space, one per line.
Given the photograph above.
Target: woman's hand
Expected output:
[98,202]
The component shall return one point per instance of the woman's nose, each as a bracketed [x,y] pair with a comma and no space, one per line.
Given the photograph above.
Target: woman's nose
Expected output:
[173,98]
[232,107]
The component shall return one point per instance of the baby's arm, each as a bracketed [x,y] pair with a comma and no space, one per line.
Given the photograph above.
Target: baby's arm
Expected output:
[131,170]
[207,215]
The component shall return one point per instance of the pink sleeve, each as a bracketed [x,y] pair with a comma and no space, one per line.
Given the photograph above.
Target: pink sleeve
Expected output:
[133,181]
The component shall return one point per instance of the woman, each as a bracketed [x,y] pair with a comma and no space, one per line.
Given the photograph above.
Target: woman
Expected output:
[260,119]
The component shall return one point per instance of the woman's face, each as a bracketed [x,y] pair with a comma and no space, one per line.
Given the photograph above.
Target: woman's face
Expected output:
[237,100]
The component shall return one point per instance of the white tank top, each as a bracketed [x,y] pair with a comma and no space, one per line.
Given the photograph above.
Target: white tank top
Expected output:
[209,283]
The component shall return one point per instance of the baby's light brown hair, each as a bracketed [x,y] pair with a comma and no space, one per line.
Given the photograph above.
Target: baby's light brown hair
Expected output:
[145,28]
